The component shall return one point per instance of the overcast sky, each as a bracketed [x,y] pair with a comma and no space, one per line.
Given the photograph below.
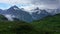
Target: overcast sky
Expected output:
[28,4]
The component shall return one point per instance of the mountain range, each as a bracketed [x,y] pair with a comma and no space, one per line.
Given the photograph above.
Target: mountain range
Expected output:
[15,13]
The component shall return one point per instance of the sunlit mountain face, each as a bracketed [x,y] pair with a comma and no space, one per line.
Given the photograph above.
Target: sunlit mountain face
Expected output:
[28,10]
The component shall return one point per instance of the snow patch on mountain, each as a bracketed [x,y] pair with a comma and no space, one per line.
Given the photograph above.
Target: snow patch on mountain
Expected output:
[16,8]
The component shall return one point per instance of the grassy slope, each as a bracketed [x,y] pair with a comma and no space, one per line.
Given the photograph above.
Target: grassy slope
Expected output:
[48,25]
[3,18]
[15,27]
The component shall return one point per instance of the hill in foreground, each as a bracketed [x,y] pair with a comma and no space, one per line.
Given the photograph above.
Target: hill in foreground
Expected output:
[48,25]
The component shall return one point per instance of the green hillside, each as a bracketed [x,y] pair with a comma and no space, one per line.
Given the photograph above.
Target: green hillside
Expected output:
[15,27]
[48,25]
[3,18]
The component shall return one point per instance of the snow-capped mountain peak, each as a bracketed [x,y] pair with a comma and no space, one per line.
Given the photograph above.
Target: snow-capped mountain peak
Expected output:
[36,14]
[36,10]
[14,8]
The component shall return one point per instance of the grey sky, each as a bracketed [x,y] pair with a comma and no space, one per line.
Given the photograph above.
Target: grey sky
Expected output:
[41,3]
[47,3]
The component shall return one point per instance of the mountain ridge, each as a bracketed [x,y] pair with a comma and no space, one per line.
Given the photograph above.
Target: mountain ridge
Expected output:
[26,16]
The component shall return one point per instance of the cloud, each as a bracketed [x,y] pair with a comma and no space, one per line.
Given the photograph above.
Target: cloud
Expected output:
[39,3]
[9,17]
[12,2]
[19,3]
[47,3]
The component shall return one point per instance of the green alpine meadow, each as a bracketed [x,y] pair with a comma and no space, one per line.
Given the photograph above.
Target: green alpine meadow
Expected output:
[47,25]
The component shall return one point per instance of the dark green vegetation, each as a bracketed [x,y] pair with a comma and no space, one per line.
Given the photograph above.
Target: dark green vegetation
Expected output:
[16,27]
[2,18]
[48,25]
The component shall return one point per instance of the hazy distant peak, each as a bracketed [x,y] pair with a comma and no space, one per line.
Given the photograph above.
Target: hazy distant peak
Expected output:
[37,8]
